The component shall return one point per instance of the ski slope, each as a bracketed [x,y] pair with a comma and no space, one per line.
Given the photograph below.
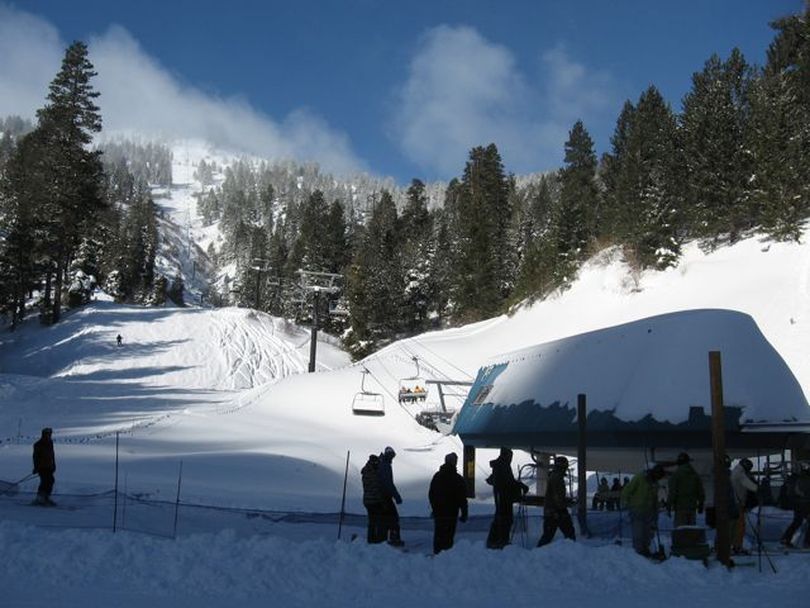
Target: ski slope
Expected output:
[219,399]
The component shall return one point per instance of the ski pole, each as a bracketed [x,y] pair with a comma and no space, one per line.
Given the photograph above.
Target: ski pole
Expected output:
[761,545]
[14,485]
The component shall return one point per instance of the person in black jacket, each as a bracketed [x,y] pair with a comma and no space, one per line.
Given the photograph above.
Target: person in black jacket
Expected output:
[390,496]
[555,505]
[506,490]
[45,467]
[448,497]
[373,499]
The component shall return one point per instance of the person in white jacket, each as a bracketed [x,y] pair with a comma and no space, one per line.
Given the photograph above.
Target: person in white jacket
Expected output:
[741,483]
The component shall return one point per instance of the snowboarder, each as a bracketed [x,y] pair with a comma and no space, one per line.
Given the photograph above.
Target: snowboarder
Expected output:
[555,505]
[800,495]
[506,490]
[741,483]
[390,497]
[448,498]
[373,499]
[45,467]
[640,497]
[686,494]
[118,339]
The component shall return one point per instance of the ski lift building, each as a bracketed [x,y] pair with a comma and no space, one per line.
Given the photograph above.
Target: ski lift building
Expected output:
[648,393]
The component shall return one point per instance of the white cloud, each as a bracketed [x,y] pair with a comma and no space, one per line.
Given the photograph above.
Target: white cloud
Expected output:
[138,94]
[463,91]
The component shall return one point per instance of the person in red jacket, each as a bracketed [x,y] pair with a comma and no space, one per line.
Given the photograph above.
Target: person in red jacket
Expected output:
[45,466]
[448,498]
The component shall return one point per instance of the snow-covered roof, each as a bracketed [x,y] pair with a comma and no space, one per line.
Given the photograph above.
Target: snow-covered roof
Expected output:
[656,367]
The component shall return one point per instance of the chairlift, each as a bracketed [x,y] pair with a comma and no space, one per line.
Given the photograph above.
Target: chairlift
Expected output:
[413,388]
[367,403]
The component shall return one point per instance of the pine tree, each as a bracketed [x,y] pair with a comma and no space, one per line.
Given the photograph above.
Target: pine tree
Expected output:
[574,222]
[712,128]
[480,221]
[374,285]
[74,179]
[645,180]
[778,137]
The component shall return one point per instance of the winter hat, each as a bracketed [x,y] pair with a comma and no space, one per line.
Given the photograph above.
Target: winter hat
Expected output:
[683,458]
[47,430]
[389,451]
[451,459]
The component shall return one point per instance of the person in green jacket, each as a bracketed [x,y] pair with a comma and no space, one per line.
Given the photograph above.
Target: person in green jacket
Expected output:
[640,497]
[686,493]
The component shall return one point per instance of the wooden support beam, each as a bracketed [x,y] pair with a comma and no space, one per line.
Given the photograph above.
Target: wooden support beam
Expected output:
[582,466]
[722,540]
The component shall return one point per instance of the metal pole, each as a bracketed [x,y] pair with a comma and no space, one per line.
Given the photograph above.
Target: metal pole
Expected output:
[582,494]
[343,500]
[721,481]
[177,502]
[115,504]
[314,335]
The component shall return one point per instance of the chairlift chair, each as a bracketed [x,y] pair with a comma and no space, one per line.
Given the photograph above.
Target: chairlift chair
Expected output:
[367,403]
[413,388]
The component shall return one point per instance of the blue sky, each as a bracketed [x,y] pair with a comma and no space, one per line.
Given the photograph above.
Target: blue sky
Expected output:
[393,88]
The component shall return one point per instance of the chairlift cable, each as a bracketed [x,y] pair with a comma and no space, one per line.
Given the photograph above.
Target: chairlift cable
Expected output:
[451,364]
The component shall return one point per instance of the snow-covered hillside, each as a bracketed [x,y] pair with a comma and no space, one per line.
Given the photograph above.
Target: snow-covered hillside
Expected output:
[225,393]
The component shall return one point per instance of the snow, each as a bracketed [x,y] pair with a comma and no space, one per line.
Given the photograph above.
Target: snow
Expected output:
[655,366]
[223,394]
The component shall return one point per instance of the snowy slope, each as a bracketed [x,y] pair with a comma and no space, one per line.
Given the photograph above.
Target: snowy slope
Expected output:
[222,393]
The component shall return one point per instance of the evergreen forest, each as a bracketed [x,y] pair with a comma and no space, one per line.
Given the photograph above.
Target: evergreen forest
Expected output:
[732,161]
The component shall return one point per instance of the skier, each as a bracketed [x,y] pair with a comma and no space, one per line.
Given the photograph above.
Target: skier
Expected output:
[119,339]
[45,467]
[741,483]
[686,494]
[373,499]
[555,506]
[448,498]
[640,497]
[390,496]
[801,506]
[506,490]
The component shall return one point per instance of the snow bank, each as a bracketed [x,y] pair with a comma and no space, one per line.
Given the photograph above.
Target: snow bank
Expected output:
[85,568]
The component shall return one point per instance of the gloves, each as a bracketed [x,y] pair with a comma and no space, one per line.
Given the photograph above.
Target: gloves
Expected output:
[398,500]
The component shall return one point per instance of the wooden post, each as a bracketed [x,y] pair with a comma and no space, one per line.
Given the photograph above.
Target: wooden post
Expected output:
[582,484]
[469,470]
[722,540]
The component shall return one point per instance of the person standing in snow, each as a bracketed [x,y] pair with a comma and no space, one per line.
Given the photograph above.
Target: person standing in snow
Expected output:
[686,494]
[119,339]
[391,498]
[640,497]
[800,502]
[555,505]
[373,499]
[45,467]
[448,498]
[506,490]
[741,483]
